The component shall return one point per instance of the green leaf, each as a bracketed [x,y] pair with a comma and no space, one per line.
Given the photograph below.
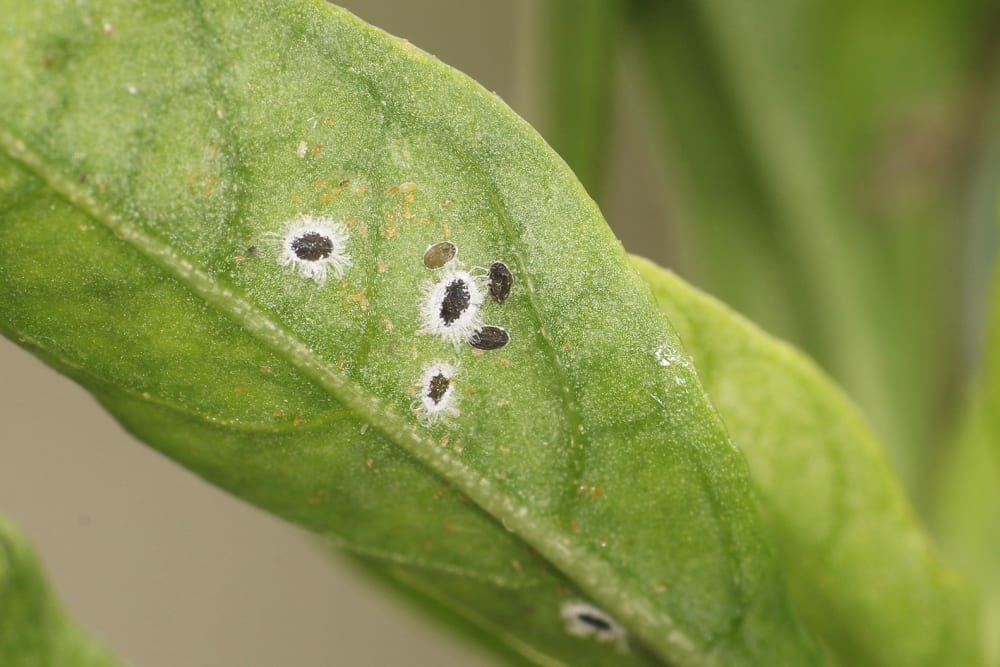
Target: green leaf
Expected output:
[158,156]
[967,515]
[861,570]
[34,631]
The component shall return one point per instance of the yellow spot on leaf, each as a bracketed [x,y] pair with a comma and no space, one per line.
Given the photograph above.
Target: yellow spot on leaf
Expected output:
[594,492]
[359,298]
[389,230]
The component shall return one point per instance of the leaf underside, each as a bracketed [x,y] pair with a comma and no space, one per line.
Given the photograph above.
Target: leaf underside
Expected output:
[154,157]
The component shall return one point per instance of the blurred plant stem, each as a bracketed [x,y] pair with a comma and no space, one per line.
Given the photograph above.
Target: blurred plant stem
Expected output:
[583,36]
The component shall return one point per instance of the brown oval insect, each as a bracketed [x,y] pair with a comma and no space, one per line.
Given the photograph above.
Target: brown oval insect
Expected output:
[500,281]
[489,338]
[439,254]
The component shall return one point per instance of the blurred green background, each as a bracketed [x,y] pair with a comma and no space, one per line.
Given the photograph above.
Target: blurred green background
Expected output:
[829,169]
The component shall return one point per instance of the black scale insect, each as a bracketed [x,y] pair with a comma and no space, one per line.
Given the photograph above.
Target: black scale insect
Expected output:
[455,302]
[438,387]
[489,337]
[312,246]
[500,281]
[594,621]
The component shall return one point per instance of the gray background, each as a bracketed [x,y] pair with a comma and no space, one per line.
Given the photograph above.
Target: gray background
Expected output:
[169,571]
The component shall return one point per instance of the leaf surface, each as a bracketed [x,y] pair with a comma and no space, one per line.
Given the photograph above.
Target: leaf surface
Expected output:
[156,157]
[862,572]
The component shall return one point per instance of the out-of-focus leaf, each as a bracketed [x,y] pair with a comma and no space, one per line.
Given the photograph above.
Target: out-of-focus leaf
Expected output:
[992,361]
[967,515]
[821,155]
[861,570]
[581,41]
[34,631]
[159,159]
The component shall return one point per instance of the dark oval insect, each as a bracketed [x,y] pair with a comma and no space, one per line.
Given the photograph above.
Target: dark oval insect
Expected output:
[456,301]
[312,246]
[438,387]
[500,281]
[595,621]
[489,338]
[439,254]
